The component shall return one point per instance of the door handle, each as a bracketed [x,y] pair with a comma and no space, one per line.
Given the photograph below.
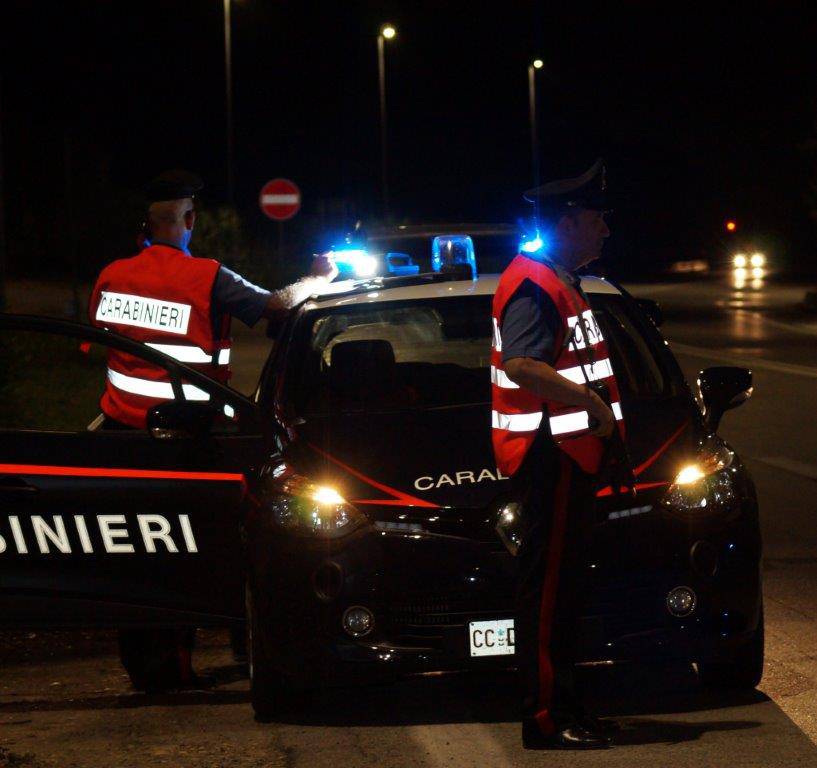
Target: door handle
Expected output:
[16,486]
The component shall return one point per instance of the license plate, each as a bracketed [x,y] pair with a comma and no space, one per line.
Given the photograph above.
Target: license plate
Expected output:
[491,638]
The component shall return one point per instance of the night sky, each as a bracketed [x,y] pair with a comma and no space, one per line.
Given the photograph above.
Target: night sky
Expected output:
[702,116]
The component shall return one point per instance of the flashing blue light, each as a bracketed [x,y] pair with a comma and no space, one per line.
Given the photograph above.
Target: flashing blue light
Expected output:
[450,251]
[533,245]
[356,261]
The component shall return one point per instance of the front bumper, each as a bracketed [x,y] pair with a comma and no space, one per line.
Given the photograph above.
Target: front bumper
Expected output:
[424,590]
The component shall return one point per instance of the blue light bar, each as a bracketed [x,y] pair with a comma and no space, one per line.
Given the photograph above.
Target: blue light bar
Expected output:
[448,252]
[400,264]
[354,261]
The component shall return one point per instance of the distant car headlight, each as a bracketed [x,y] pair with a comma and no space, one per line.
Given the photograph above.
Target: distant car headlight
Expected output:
[705,487]
[757,260]
[739,261]
[302,507]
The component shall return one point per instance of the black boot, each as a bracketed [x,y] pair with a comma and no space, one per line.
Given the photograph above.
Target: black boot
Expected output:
[572,736]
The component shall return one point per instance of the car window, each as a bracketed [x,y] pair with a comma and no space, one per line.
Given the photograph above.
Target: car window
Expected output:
[53,382]
[391,356]
[637,362]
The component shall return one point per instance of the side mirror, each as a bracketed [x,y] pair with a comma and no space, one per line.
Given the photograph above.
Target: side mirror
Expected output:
[652,309]
[723,388]
[178,419]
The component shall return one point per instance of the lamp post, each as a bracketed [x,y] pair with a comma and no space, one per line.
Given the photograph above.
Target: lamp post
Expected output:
[534,137]
[228,72]
[387,32]
[2,220]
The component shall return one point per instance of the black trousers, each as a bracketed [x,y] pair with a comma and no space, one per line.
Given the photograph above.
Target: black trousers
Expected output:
[559,516]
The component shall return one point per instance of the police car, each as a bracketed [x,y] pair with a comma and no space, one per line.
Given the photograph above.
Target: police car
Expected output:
[352,509]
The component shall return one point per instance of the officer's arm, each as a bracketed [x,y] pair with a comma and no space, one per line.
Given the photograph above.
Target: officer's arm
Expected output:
[322,273]
[541,378]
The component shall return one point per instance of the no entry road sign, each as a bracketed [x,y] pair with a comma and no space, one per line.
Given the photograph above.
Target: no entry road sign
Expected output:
[280,199]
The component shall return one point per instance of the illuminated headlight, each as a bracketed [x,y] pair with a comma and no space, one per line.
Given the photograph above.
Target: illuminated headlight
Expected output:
[705,487]
[757,260]
[739,261]
[303,507]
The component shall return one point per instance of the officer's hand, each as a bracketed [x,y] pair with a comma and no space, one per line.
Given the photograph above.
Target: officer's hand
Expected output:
[324,266]
[602,419]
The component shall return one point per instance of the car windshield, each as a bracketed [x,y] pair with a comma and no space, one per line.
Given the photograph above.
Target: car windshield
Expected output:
[433,353]
[397,355]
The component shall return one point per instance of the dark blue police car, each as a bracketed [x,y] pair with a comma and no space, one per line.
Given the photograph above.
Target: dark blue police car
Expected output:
[352,510]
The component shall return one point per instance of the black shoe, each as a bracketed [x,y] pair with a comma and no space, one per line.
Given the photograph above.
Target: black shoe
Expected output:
[604,727]
[572,737]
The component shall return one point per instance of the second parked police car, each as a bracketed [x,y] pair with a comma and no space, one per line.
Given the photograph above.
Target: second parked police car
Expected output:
[354,509]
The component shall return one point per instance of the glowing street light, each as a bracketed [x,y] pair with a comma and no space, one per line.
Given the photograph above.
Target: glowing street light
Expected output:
[534,139]
[387,32]
[731,226]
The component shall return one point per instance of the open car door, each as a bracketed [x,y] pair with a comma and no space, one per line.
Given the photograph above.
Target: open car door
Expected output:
[116,527]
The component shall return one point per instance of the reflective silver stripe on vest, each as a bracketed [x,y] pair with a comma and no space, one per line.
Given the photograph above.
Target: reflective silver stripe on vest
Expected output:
[143,312]
[600,370]
[186,354]
[500,378]
[574,422]
[516,422]
[161,390]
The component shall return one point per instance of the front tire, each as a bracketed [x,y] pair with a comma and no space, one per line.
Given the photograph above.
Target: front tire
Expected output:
[271,691]
[744,671]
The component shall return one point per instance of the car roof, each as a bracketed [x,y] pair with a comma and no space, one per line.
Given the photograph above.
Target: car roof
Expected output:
[357,292]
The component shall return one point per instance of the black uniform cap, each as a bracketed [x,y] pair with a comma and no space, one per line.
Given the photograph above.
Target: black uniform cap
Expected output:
[173,185]
[585,191]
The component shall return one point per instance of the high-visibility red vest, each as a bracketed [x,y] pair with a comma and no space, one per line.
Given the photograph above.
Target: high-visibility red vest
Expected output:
[517,413]
[161,297]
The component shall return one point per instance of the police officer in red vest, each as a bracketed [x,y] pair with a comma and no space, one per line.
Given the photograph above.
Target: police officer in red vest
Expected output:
[555,406]
[182,306]
[178,304]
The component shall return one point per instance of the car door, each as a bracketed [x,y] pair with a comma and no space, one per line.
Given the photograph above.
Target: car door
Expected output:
[104,526]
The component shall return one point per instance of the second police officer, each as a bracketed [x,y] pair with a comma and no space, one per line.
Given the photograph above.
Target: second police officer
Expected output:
[182,306]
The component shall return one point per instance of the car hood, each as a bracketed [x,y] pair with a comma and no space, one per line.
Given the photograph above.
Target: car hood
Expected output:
[443,458]
[425,459]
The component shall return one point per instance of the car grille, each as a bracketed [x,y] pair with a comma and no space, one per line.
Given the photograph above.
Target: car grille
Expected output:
[447,610]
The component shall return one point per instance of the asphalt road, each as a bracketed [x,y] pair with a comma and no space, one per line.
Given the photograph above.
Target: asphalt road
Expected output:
[65,701]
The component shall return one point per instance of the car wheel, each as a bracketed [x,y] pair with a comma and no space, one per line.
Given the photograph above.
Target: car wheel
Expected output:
[744,671]
[269,690]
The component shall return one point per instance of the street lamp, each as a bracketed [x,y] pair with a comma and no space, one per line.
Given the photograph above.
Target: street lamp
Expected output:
[534,138]
[228,72]
[387,32]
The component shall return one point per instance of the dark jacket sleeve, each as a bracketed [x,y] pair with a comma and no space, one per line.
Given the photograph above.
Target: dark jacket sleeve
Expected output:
[530,324]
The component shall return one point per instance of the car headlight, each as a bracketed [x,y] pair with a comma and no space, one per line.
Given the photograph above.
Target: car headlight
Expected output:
[705,487]
[302,507]
[739,261]
[757,260]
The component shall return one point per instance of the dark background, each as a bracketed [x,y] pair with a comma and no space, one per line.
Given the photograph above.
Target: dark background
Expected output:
[702,115]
